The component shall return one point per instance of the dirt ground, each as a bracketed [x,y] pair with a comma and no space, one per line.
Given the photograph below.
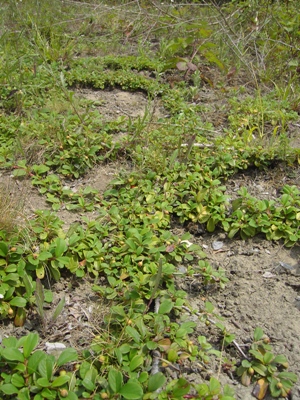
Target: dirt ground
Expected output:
[263,290]
[264,277]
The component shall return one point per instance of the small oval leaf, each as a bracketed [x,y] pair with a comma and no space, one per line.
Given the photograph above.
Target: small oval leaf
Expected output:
[18,302]
[131,391]
[156,381]
[66,356]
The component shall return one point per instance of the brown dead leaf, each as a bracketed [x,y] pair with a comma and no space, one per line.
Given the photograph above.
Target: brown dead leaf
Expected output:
[260,389]
[170,248]
[191,66]
[164,344]
[231,73]
[182,66]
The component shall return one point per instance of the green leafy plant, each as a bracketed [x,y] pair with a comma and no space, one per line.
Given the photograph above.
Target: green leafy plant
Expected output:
[179,155]
[266,368]
[28,372]
[14,282]
[277,222]
[193,44]
[214,390]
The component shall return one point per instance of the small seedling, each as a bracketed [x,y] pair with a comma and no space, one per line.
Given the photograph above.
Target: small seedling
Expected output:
[40,299]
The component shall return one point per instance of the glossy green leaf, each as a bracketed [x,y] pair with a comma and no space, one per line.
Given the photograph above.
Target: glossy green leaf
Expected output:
[131,244]
[246,364]
[143,376]
[54,270]
[89,381]
[280,359]
[268,357]
[211,226]
[45,255]
[14,278]
[18,380]
[43,382]
[66,356]
[30,343]
[232,232]
[60,247]
[18,302]
[115,380]
[12,354]
[11,268]
[136,362]
[151,345]
[60,381]
[131,391]
[260,369]
[214,386]
[133,333]
[46,367]
[258,334]
[24,394]
[181,387]
[35,360]
[3,249]
[288,375]
[156,381]
[48,296]
[8,389]
[165,307]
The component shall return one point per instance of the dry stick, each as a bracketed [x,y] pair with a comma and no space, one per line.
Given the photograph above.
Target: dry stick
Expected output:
[235,48]
[213,322]
[138,4]
[162,11]
[218,8]
[150,30]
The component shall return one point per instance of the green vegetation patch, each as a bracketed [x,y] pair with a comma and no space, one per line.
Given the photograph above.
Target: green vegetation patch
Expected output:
[180,164]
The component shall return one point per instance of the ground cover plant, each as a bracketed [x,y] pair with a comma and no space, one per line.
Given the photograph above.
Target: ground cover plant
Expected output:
[220,83]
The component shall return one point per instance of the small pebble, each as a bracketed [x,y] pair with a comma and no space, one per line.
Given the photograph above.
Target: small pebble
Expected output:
[268,275]
[217,245]
[54,348]
[182,269]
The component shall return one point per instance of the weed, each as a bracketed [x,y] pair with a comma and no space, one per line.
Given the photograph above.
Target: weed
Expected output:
[40,299]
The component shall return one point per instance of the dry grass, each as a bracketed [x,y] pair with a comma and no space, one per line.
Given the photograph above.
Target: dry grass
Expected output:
[11,205]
